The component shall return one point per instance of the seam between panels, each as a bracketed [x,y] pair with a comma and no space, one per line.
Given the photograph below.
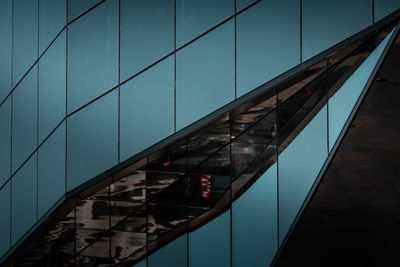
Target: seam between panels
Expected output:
[37,114]
[11,119]
[327,111]
[277,173]
[301,31]
[174,66]
[66,100]
[230,138]
[119,81]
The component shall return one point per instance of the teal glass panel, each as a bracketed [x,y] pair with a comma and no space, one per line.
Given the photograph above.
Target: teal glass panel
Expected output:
[92,140]
[24,119]
[240,4]
[342,102]
[195,17]
[140,264]
[5,218]
[52,81]
[147,33]
[210,245]
[299,165]
[205,75]
[52,18]
[51,170]
[24,195]
[5,47]
[5,141]
[326,23]
[25,37]
[264,50]
[78,7]
[385,7]
[255,222]
[93,55]
[173,254]
[147,108]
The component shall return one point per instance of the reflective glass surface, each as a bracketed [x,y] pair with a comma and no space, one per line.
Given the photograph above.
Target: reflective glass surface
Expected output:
[52,84]
[138,94]
[23,197]
[24,119]
[92,54]
[77,7]
[5,141]
[52,18]
[212,59]
[260,57]
[5,47]
[195,17]
[5,198]
[147,33]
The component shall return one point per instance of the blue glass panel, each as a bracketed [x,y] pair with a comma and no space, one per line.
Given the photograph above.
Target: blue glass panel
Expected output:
[299,165]
[51,170]
[25,36]
[385,7]
[147,33]
[5,218]
[24,119]
[195,17]
[147,108]
[264,50]
[140,264]
[322,27]
[52,18]
[173,254]
[92,140]
[52,87]
[255,222]
[24,195]
[93,55]
[210,245]
[205,75]
[5,141]
[342,102]
[77,7]
[241,4]
[5,47]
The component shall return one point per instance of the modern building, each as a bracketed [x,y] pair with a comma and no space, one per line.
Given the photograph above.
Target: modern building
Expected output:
[174,132]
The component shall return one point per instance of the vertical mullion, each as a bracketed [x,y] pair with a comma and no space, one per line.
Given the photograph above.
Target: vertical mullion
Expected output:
[301,31]
[11,112]
[119,81]
[37,113]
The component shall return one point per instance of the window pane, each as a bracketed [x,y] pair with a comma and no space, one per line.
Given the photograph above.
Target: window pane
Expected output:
[52,15]
[5,47]
[5,141]
[93,55]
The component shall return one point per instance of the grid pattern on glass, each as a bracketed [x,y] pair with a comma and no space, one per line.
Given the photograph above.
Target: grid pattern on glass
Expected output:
[195,179]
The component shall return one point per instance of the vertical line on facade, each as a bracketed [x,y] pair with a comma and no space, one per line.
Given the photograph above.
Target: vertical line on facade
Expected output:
[109,223]
[119,81]
[11,112]
[301,31]
[327,110]
[277,169]
[66,97]
[235,57]
[147,215]
[174,66]
[37,114]
[373,11]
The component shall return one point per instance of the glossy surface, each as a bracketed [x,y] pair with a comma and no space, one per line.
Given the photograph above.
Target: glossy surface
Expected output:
[25,37]
[77,7]
[24,119]
[23,197]
[196,17]
[211,58]
[138,95]
[5,200]
[5,47]
[260,57]
[51,170]
[384,8]
[88,156]
[52,18]
[147,34]
[356,206]
[5,144]
[52,84]
[93,55]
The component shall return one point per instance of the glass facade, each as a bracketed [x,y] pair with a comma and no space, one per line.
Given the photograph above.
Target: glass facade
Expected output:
[86,86]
